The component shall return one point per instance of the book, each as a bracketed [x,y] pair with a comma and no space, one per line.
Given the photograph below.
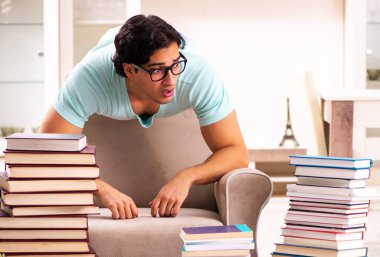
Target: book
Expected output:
[37,234]
[216,232]
[324,199]
[325,214]
[62,222]
[309,202]
[338,173]
[327,229]
[327,161]
[84,157]
[246,240]
[321,234]
[49,210]
[332,198]
[51,171]
[338,245]
[327,210]
[220,253]
[49,255]
[45,185]
[215,247]
[323,224]
[42,199]
[36,246]
[325,219]
[331,182]
[338,191]
[318,251]
[46,142]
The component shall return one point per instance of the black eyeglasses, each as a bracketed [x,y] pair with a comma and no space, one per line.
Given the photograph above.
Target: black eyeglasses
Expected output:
[160,73]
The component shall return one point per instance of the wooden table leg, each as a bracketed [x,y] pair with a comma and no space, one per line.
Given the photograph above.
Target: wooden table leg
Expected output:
[341,126]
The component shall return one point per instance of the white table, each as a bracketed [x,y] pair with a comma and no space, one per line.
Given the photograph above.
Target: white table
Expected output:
[346,115]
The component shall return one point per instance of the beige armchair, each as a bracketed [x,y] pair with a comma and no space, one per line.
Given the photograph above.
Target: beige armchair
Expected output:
[140,161]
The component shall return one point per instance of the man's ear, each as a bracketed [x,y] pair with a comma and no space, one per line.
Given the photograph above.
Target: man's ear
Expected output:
[129,70]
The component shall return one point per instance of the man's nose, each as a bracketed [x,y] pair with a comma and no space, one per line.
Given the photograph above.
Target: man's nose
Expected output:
[170,79]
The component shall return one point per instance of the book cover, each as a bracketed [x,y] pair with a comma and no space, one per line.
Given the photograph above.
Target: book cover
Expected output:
[328,161]
[338,191]
[84,157]
[49,171]
[46,142]
[228,231]
[330,182]
[328,172]
[46,185]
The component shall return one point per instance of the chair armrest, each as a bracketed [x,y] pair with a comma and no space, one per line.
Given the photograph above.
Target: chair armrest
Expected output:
[241,195]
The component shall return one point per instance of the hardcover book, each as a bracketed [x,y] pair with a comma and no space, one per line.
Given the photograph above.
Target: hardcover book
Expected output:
[327,161]
[45,185]
[338,173]
[331,182]
[338,245]
[38,234]
[46,142]
[51,171]
[318,251]
[37,246]
[84,157]
[61,222]
[221,253]
[216,232]
[338,191]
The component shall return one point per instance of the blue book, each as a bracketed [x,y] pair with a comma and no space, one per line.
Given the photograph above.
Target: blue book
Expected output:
[327,161]
[216,232]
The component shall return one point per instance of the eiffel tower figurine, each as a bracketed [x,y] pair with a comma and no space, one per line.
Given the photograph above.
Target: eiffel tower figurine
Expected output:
[289,138]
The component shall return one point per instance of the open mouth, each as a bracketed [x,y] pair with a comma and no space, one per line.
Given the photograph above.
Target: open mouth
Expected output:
[167,93]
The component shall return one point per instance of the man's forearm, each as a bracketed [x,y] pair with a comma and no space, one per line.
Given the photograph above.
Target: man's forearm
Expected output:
[219,163]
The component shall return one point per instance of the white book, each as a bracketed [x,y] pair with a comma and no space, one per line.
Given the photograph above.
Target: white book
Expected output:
[331,190]
[339,245]
[329,210]
[331,182]
[321,234]
[324,219]
[328,161]
[326,172]
[216,247]
[294,196]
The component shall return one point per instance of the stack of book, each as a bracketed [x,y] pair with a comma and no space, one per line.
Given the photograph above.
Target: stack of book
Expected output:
[46,194]
[230,240]
[328,207]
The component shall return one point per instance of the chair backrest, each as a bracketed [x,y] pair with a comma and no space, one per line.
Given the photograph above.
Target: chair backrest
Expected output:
[139,161]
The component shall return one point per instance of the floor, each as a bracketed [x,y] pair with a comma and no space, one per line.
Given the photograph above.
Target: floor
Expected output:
[272,219]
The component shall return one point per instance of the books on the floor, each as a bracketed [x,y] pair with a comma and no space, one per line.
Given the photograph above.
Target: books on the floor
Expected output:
[36,246]
[327,161]
[38,234]
[323,199]
[318,251]
[62,222]
[46,142]
[17,211]
[328,229]
[207,246]
[326,172]
[330,182]
[336,191]
[45,185]
[309,202]
[216,232]
[323,224]
[220,253]
[43,199]
[329,198]
[321,234]
[327,210]
[338,245]
[325,219]
[84,157]
[51,171]
[49,255]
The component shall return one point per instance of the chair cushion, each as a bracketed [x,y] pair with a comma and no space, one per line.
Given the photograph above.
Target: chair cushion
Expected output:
[144,236]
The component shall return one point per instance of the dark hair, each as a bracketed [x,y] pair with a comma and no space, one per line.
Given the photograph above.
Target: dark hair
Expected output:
[139,37]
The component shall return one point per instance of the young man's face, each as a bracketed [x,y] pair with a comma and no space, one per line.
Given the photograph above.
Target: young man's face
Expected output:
[161,91]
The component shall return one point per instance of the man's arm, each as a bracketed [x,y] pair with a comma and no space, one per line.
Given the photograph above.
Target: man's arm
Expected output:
[229,152]
[121,205]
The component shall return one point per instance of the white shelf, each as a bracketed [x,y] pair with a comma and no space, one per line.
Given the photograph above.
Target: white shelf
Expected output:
[373,84]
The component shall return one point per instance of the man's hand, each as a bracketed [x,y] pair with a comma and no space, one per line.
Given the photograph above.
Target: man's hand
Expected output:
[170,198]
[121,205]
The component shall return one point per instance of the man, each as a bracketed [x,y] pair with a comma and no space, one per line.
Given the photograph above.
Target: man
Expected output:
[148,71]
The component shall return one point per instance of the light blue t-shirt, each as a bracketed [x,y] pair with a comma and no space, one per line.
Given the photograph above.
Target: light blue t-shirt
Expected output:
[93,86]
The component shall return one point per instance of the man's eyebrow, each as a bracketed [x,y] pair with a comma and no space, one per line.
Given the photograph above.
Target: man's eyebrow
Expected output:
[162,63]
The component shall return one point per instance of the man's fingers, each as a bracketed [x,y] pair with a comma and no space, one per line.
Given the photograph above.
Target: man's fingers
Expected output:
[121,209]
[162,208]
[169,208]
[115,212]
[128,211]
[154,207]
[134,210]
[175,209]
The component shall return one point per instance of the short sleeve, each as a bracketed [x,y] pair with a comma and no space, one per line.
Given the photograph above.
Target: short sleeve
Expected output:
[211,100]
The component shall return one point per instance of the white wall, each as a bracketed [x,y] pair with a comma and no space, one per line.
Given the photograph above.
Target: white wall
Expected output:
[262,50]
